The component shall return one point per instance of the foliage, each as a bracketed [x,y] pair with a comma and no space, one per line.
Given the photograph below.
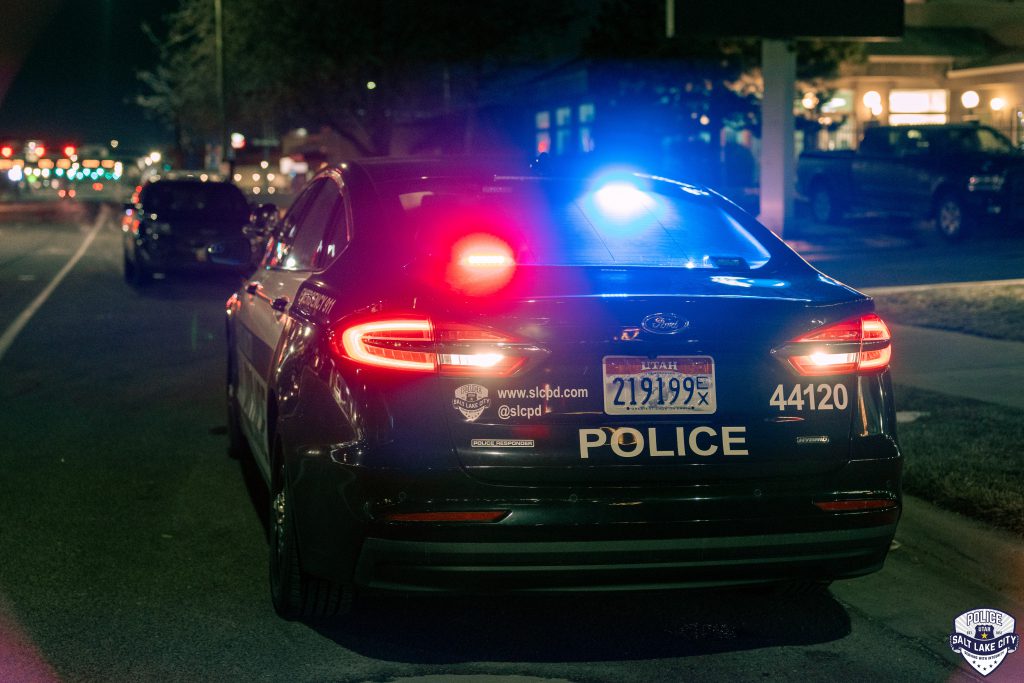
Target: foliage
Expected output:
[699,85]
[309,63]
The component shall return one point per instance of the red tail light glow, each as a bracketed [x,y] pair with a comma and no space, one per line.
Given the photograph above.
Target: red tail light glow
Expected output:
[855,505]
[390,344]
[418,345]
[468,516]
[855,345]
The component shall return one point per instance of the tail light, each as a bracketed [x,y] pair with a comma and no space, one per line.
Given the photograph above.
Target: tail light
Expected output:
[419,345]
[855,504]
[450,517]
[856,345]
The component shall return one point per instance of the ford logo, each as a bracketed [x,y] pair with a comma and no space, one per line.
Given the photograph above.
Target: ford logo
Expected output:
[664,323]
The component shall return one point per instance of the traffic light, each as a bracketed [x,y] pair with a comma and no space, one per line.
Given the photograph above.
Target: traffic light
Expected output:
[6,151]
[39,151]
[70,150]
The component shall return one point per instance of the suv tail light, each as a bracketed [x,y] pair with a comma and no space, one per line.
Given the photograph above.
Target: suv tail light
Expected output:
[419,345]
[856,345]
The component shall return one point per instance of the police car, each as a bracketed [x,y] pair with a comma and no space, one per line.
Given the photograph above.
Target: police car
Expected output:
[461,376]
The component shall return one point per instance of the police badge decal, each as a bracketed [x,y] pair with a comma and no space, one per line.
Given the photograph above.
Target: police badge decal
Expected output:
[471,400]
[984,637]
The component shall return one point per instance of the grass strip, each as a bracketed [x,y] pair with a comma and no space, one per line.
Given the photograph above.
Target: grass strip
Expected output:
[964,455]
[995,311]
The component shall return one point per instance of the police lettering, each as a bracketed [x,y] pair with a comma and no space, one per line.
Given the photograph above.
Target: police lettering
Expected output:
[627,442]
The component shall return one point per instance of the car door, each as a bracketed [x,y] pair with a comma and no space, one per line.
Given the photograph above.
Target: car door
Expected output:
[910,180]
[872,169]
[292,254]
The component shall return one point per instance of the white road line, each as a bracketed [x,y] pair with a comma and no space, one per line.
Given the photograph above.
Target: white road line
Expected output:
[12,332]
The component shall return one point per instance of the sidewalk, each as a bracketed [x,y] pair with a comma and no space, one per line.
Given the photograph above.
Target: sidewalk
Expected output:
[959,364]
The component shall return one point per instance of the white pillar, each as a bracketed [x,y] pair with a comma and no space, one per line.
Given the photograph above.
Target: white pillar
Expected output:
[778,163]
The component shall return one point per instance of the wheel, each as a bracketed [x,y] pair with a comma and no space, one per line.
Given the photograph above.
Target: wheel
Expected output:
[824,205]
[129,269]
[951,218]
[238,447]
[295,594]
[135,273]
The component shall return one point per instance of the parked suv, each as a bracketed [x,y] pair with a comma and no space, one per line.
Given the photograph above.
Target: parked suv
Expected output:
[957,174]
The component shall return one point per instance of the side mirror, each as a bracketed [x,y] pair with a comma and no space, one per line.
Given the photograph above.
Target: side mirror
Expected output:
[262,221]
[236,253]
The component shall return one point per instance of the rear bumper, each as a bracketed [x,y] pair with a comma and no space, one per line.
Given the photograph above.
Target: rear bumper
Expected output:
[644,564]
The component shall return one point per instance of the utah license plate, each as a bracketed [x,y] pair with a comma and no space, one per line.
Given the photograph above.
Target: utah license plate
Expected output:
[666,385]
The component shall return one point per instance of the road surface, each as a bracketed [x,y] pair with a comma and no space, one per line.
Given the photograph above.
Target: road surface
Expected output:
[134,549]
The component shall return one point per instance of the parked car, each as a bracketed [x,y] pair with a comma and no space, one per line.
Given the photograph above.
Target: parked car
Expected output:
[175,224]
[457,376]
[957,174]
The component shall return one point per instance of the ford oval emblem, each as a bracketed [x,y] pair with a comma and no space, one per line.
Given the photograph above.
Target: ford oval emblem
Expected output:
[664,323]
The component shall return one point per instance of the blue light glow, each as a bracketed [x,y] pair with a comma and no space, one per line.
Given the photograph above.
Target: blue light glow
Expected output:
[621,201]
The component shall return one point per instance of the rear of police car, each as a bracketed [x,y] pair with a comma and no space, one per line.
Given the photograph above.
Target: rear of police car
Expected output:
[617,383]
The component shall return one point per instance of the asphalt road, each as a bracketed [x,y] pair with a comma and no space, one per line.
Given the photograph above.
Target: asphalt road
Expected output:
[133,548]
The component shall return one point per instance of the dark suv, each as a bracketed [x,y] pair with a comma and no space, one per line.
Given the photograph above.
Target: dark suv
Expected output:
[180,225]
[957,174]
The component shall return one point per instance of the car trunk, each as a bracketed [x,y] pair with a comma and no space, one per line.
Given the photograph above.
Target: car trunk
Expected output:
[611,392]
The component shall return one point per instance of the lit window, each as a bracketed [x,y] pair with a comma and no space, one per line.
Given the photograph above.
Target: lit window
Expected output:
[915,119]
[543,120]
[586,140]
[543,143]
[586,112]
[562,140]
[919,101]
[563,116]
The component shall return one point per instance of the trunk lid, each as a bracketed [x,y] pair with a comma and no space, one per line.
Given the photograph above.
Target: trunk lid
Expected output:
[675,383]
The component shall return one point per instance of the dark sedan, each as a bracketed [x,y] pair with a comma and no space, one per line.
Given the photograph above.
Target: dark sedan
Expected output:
[462,376]
[178,224]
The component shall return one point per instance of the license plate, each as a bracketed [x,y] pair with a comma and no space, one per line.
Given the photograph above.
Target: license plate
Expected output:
[666,385]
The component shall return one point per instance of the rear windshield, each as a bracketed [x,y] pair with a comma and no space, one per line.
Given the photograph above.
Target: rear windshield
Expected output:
[215,199]
[632,221]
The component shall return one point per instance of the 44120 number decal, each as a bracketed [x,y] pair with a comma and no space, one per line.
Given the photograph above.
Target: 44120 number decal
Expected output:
[810,397]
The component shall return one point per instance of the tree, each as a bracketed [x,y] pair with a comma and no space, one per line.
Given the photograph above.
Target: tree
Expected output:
[359,67]
[686,88]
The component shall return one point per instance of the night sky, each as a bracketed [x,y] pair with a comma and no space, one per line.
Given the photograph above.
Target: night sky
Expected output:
[76,81]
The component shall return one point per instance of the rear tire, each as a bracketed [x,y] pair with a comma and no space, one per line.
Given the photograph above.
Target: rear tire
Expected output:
[135,273]
[951,218]
[825,206]
[295,594]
